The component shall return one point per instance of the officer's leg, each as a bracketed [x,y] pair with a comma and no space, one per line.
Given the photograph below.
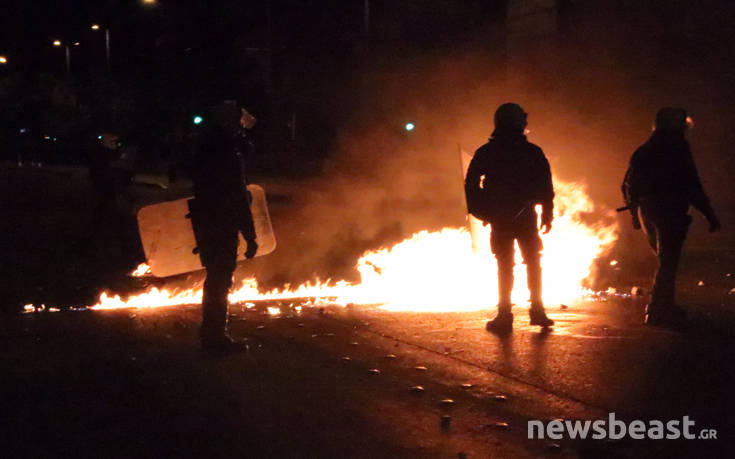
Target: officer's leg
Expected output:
[650,229]
[670,242]
[530,244]
[501,244]
[214,300]
[219,255]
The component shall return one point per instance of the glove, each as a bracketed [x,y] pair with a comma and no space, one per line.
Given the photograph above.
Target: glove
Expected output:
[252,249]
[546,220]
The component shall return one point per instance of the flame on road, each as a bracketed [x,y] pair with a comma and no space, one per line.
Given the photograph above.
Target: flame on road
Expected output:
[435,271]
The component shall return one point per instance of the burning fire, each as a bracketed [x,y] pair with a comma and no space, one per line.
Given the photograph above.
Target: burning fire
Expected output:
[435,271]
[142,270]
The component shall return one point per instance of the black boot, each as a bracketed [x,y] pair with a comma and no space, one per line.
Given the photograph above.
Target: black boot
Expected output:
[503,322]
[539,317]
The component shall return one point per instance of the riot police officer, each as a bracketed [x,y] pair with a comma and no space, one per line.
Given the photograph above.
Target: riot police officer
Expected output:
[507,178]
[219,211]
[659,187]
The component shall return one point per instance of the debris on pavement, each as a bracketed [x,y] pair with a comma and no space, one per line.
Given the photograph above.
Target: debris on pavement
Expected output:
[417,389]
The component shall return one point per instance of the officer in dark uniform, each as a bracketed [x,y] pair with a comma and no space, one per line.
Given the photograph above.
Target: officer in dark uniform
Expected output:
[660,185]
[219,211]
[507,178]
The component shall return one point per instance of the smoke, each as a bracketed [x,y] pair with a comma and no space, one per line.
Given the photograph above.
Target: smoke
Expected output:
[591,97]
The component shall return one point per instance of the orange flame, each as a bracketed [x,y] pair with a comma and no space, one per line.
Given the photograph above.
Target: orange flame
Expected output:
[435,271]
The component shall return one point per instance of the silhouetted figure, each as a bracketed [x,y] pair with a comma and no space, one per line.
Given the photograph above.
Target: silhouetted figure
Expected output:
[220,210]
[507,178]
[660,185]
[109,183]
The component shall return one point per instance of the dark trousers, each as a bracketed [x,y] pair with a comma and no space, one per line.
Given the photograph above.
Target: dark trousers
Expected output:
[502,243]
[666,228]
[218,252]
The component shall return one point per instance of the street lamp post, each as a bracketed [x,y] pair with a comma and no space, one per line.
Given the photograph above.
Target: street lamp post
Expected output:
[107,43]
[67,51]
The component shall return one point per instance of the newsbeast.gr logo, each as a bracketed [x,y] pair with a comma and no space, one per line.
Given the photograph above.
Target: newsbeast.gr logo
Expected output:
[615,429]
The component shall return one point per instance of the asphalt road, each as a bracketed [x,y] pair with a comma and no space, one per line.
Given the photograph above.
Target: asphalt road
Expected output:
[341,382]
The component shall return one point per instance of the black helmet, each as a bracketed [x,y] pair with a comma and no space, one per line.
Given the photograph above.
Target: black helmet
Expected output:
[670,119]
[510,116]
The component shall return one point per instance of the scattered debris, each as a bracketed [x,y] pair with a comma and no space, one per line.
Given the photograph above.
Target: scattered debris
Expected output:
[315,336]
[329,335]
[614,263]
[417,389]
[346,359]
[500,398]
[499,425]
[420,368]
[374,371]
[447,402]
[636,291]
[563,306]
[391,356]
[467,386]
[700,283]
[260,327]
[300,325]
[354,343]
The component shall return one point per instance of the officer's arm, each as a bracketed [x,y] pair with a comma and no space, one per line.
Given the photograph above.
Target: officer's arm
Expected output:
[547,191]
[631,187]
[697,195]
[472,183]
[247,228]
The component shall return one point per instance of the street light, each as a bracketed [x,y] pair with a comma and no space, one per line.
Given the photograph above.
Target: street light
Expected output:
[107,43]
[3,60]
[149,2]
[57,44]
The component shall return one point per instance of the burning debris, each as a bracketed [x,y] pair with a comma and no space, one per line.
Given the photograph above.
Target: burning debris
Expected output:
[432,271]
